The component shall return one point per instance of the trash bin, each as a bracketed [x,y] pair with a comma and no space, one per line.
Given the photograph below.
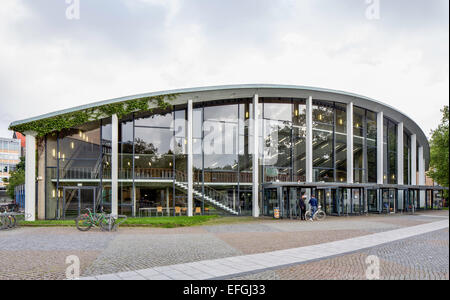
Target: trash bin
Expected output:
[276,213]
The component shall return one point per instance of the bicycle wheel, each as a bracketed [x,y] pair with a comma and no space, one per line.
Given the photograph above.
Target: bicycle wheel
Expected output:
[12,221]
[83,223]
[307,215]
[320,215]
[4,222]
[107,224]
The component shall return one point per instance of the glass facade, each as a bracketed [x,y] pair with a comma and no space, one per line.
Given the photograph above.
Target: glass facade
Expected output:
[390,151]
[153,159]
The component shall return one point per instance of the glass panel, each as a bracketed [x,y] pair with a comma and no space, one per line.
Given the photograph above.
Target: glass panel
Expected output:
[278,111]
[341,118]
[224,113]
[153,166]
[126,132]
[341,157]
[372,164]
[153,141]
[323,175]
[299,153]
[323,148]
[299,117]
[155,120]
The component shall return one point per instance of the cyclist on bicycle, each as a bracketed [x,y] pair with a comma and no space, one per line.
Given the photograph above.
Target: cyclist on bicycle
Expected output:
[314,204]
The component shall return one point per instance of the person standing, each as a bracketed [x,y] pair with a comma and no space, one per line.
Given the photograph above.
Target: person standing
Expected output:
[314,203]
[302,206]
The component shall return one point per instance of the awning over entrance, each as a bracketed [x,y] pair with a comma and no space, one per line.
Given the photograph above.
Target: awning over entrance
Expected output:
[351,185]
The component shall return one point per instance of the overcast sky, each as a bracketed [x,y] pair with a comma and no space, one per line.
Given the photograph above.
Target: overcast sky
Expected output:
[126,47]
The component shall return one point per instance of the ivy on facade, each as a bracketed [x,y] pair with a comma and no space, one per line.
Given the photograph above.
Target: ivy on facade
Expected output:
[73,119]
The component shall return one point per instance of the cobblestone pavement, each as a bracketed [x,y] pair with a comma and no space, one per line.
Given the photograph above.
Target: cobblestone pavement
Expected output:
[39,253]
[424,257]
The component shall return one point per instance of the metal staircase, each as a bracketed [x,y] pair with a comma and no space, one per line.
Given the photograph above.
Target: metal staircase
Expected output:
[217,199]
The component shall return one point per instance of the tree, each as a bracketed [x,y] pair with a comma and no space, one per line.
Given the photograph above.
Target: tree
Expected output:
[16,178]
[439,151]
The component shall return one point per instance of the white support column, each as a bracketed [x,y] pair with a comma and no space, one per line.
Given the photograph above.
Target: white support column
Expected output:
[115,165]
[167,202]
[30,177]
[400,154]
[421,175]
[255,159]
[421,166]
[413,159]
[380,155]
[190,173]
[400,165]
[309,140]
[350,142]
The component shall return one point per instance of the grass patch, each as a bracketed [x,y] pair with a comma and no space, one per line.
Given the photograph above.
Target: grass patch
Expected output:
[168,222]
[164,222]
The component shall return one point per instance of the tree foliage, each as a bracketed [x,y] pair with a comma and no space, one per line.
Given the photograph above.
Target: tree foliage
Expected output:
[439,151]
[16,178]
[69,120]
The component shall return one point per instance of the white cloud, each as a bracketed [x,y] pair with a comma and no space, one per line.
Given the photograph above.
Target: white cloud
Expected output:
[125,47]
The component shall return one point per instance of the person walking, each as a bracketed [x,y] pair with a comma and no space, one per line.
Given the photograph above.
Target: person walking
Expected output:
[313,203]
[302,206]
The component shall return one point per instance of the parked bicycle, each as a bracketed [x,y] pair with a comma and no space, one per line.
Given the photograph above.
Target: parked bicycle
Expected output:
[105,222]
[8,219]
[319,215]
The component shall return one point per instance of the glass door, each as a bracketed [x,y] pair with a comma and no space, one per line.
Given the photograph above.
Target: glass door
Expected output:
[71,202]
[372,201]
[76,200]
[356,202]
[87,199]
[344,201]
[293,203]
[270,201]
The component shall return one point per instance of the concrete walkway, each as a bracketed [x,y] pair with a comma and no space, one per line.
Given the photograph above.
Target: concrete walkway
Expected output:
[239,265]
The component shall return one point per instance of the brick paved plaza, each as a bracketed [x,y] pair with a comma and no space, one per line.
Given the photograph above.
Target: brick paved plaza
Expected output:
[40,253]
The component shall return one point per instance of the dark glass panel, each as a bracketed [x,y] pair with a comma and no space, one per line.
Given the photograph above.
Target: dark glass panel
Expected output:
[323,175]
[372,164]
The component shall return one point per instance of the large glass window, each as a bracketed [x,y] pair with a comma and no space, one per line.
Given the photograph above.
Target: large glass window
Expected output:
[359,144]
[324,141]
[406,159]
[392,154]
[278,138]
[371,146]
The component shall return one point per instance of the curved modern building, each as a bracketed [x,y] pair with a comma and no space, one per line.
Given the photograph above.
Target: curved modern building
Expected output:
[356,154]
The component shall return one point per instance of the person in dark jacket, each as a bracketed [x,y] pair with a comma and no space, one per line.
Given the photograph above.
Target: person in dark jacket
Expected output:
[302,207]
[314,204]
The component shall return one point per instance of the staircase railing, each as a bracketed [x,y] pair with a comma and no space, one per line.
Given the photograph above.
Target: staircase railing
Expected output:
[208,192]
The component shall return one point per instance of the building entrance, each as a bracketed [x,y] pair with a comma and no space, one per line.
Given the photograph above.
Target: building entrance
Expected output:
[77,199]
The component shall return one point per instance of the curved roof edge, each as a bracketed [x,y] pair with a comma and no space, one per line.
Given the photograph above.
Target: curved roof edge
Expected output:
[421,135]
[195,90]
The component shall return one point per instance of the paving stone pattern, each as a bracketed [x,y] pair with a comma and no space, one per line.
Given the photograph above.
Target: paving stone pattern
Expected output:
[39,253]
